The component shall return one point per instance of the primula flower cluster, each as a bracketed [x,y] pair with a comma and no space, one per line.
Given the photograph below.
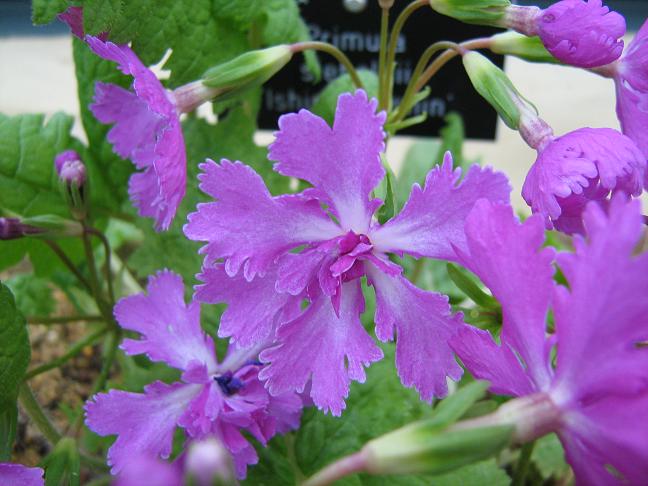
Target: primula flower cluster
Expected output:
[596,396]
[212,399]
[265,255]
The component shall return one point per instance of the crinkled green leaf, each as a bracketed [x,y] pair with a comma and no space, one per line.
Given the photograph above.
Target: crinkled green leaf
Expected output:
[33,295]
[326,101]
[44,11]
[549,456]
[14,348]
[242,12]
[100,15]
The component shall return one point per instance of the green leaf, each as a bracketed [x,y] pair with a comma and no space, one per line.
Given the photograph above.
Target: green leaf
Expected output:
[8,428]
[242,12]
[33,295]
[326,101]
[14,358]
[100,15]
[385,191]
[549,456]
[453,137]
[421,157]
[44,11]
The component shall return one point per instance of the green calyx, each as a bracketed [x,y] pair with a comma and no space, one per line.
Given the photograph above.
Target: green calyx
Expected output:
[494,86]
[519,45]
[247,70]
[482,12]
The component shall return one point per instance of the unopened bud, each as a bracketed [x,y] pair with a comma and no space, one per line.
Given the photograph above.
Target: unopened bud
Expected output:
[70,168]
[72,174]
[494,86]
[208,463]
[14,228]
[528,48]
[482,12]
[247,71]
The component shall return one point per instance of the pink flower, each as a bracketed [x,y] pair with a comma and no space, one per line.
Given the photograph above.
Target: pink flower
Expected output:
[19,475]
[212,398]
[596,396]
[266,254]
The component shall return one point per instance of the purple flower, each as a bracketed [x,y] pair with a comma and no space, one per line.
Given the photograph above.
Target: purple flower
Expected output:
[596,396]
[631,81]
[580,166]
[212,398]
[576,32]
[265,255]
[19,475]
[146,128]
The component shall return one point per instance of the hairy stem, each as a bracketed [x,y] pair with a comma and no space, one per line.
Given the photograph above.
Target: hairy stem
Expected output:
[342,467]
[333,51]
[75,349]
[68,263]
[522,466]
[107,265]
[36,414]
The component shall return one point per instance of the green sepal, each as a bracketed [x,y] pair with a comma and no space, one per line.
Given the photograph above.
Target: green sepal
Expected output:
[481,12]
[519,45]
[470,288]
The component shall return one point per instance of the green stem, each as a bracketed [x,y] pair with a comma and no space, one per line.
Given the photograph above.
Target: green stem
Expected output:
[68,263]
[36,414]
[75,349]
[395,33]
[106,245]
[523,463]
[341,468]
[61,320]
[92,267]
[382,60]
[333,51]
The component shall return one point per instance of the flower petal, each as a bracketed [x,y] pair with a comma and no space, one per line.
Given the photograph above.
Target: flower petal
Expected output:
[582,33]
[170,329]
[424,325]
[246,226]
[603,315]
[506,256]
[319,345]
[488,361]
[143,422]
[254,309]
[343,162]
[433,218]
[151,471]
[19,475]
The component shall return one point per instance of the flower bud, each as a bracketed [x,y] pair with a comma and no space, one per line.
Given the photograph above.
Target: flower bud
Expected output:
[482,12]
[528,48]
[72,175]
[208,463]
[247,70]
[70,168]
[13,228]
[44,226]
[494,86]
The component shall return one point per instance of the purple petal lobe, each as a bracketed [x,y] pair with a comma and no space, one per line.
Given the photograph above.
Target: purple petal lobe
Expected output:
[170,329]
[144,423]
[147,130]
[424,325]
[488,361]
[343,162]
[602,316]
[433,218]
[19,475]
[145,469]
[580,166]
[253,308]
[508,258]
[73,17]
[320,346]
[248,227]
[582,33]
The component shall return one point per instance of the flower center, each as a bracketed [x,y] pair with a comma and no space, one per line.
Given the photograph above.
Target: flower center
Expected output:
[228,384]
[352,247]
